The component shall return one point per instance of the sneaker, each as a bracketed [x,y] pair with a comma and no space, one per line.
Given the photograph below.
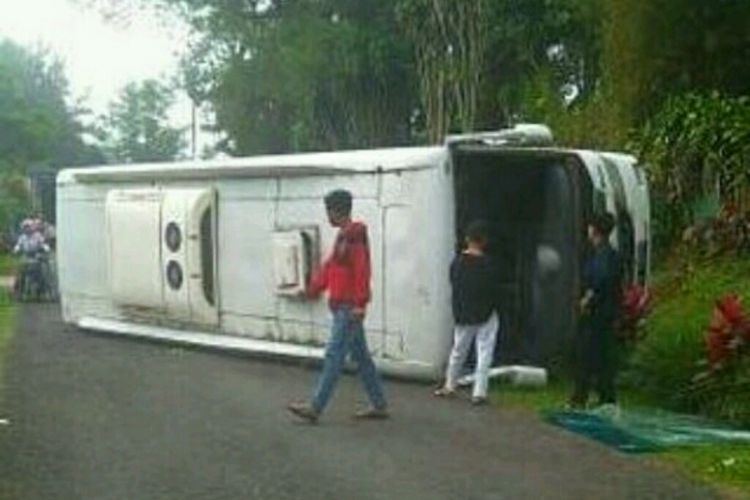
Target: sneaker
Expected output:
[444,392]
[478,401]
[372,414]
[607,410]
[303,411]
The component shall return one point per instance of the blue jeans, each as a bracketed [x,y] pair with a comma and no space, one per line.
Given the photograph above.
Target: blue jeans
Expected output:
[347,335]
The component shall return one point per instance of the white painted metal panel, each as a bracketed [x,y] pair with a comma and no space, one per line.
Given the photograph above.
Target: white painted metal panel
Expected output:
[184,209]
[82,248]
[638,203]
[297,318]
[133,242]
[200,204]
[419,246]
[407,204]
[315,188]
[174,213]
[397,307]
[247,189]
[245,256]
[288,262]
[310,165]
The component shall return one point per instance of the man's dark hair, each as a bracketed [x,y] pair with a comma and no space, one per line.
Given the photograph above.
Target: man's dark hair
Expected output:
[339,201]
[603,223]
[478,231]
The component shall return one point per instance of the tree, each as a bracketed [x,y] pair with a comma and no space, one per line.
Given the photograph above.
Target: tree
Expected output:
[646,52]
[482,63]
[38,126]
[297,75]
[449,38]
[14,203]
[705,50]
[304,75]
[289,75]
[137,127]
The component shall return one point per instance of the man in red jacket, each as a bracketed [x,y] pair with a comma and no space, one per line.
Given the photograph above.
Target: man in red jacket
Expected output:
[346,276]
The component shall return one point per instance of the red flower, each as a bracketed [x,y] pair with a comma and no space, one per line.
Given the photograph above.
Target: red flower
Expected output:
[731,307]
[728,330]
[635,305]
[635,302]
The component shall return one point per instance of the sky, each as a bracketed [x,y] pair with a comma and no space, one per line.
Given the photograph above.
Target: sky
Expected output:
[99,57]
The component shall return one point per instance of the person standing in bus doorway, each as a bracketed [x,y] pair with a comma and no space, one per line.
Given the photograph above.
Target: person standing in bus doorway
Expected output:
[599,306]
[475,281]
[346,276]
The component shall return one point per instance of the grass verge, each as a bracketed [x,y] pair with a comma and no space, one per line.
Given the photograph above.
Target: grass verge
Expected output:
[724,467]
[665,363]
[8,489]
[6,330]
[8,264]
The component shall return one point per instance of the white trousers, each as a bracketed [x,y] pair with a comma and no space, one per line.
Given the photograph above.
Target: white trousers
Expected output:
[486,335]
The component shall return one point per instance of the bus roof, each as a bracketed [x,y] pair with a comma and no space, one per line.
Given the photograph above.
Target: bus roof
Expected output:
[288,165]
[308,164]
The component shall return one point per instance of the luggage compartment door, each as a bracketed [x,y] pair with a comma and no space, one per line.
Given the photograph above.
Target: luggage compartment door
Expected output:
[188,221]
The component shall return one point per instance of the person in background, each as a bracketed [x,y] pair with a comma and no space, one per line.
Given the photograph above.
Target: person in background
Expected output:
[599,308]
[474,279]
[50,235]
[30,241]
[346,276]
[32,248]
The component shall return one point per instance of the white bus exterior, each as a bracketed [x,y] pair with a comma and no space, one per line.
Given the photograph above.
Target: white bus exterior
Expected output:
[216,253]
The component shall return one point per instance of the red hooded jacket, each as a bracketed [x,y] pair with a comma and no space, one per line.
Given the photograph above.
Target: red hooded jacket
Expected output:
[346,272]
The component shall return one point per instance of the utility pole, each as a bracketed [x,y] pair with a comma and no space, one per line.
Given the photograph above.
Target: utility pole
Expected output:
[193,130]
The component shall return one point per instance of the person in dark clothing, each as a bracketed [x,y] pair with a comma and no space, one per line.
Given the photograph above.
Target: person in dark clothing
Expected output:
[474,279]
[600,307]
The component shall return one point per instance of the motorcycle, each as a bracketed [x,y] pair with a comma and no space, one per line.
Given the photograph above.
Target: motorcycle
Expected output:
[32,281]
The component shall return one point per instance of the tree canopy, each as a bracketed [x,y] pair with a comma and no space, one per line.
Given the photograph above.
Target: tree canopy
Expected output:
[295,75]
[37,123]
[301,75]
[137,128]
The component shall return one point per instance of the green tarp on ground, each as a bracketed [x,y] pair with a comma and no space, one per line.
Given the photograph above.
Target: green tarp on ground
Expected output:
[643,431]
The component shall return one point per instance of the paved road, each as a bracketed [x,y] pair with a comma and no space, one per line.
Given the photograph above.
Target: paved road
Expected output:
[100,418]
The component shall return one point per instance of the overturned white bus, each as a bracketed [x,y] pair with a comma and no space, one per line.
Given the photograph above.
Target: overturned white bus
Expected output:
[214,253]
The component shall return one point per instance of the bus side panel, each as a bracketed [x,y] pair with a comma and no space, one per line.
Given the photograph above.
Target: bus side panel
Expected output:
[82,253]
[418,248]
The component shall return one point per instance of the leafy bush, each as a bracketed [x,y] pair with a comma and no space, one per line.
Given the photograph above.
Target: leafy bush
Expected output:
[696,146]
[723,388]
[726,234]
[14,203]
[665,364]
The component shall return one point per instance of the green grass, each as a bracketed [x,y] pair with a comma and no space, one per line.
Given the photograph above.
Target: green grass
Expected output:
[724,466]
[532,399]
[8,264]
[667,360]
[554,395]
[6,330]
[7,489]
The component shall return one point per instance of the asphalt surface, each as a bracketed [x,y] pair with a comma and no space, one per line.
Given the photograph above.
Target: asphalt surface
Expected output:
[93,417]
